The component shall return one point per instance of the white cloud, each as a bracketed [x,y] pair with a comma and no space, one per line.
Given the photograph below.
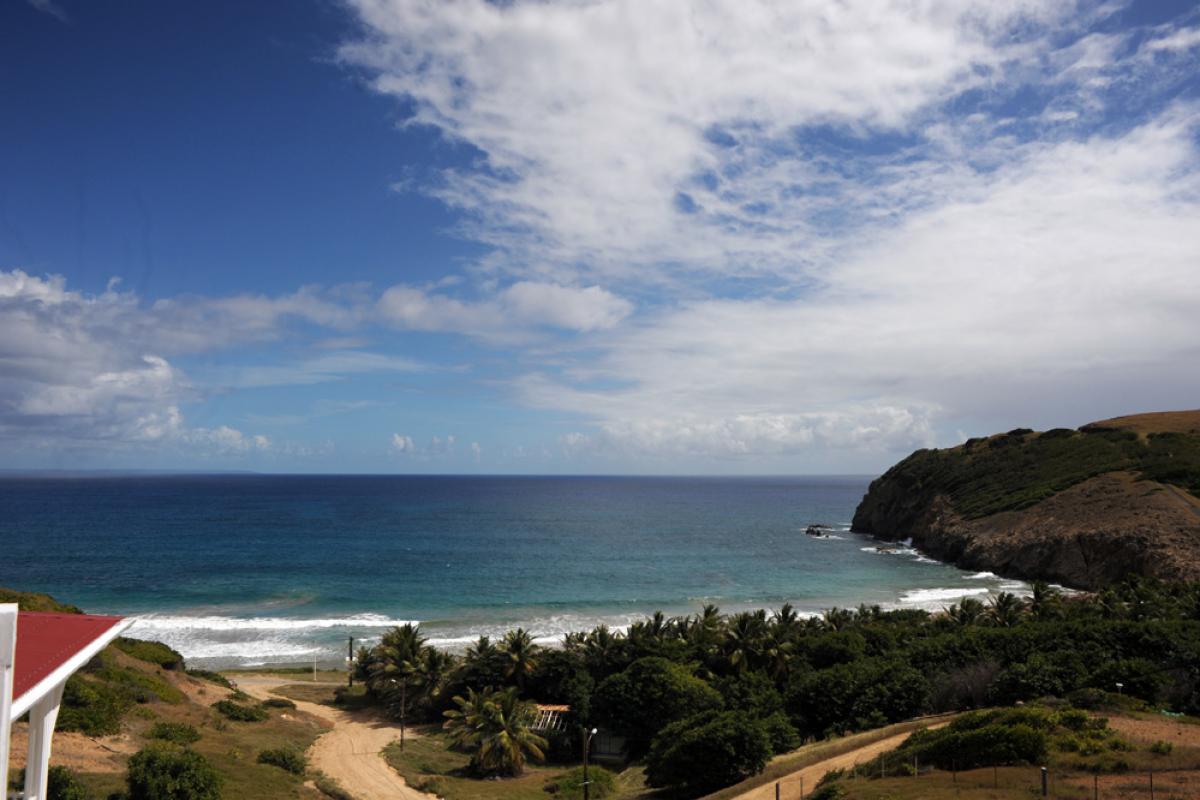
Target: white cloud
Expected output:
[1176,41]
[519,307]
[79,370]
[1041,279]
[438,448]
[625,138]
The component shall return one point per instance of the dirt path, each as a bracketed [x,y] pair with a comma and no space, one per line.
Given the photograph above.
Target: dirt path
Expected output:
[790,783]
[350,752]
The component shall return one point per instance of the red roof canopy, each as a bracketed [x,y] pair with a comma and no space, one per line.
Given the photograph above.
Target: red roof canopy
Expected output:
[47,641]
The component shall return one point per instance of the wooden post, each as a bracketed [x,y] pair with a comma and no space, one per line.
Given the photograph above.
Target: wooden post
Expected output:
[1151,784]
[1045,783]
[1095,787]
[776,790]
[802,789]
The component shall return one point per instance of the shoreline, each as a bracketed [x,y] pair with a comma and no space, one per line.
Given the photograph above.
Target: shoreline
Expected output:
[316,635]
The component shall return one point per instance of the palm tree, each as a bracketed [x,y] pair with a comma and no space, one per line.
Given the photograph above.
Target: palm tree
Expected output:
[786,619]
[429,671]
[521,656]
[837,619]
[745,639]
[602,649]
[1006,610]
[968,612]
[1045,603]
[494,726]
[389,661]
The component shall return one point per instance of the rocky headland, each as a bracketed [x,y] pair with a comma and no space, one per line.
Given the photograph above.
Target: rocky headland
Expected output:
[1083,508]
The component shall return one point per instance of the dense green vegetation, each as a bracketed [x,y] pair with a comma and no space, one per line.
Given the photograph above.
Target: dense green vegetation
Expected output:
[285,758]
[493,725]
[36,601]
[164,772]
[150,652]
[759,683]
[239,713]
[177,732]
[601,784]
[1018,469]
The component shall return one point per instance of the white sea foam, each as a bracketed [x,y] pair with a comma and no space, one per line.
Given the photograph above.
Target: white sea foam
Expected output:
[919,596]
[165,622]
[981,576]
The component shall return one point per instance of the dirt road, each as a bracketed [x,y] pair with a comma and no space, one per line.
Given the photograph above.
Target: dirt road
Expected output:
[350,752]
[790,783]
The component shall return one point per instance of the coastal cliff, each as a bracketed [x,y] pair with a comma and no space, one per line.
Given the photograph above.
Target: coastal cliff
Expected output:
[1083,508]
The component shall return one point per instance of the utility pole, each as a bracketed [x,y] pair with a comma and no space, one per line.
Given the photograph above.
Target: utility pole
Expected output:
[587,746]
[403,711]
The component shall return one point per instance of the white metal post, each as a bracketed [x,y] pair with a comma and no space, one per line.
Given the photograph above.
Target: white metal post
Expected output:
[42,717]
[8,646]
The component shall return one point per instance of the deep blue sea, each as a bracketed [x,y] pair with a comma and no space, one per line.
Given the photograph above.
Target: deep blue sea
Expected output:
[245,569]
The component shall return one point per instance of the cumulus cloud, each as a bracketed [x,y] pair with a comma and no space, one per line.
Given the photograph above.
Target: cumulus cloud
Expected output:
[81,370]
[437,448]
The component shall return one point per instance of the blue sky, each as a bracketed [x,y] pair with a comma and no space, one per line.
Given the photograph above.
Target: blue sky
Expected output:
[609,236]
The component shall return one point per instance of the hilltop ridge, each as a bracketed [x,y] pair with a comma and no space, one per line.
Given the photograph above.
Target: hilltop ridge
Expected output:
[1084,507]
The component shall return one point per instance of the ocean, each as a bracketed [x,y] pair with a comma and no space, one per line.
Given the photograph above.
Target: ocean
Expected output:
[239,570]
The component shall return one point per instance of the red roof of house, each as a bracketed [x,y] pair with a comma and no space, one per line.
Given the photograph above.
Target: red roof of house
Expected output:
[47,641]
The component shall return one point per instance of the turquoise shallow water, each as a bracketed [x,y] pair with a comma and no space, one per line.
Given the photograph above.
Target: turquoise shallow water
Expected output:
[250,569]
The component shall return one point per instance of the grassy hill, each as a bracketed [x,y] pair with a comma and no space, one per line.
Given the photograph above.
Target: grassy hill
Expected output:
[935,496]
[137,693]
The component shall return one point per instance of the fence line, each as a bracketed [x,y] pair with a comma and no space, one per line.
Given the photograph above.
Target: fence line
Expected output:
[1042,781]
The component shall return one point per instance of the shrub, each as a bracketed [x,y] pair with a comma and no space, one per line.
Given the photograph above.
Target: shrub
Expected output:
[830,791]
[164,772]
[211,677]
[91,708]
[702,753]
[1074,719]
[781,733]
[331,788]
[1091,699]
[239,713]
[177,732]
[285,758]
[1161,748]
[278,702]
[648,695]
[150,652]
[601,782]
[61,784]
[984,739]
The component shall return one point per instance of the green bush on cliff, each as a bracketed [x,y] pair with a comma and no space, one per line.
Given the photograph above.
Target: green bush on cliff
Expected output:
[1019,469]
[150,652]
[91,707]
[165,772]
